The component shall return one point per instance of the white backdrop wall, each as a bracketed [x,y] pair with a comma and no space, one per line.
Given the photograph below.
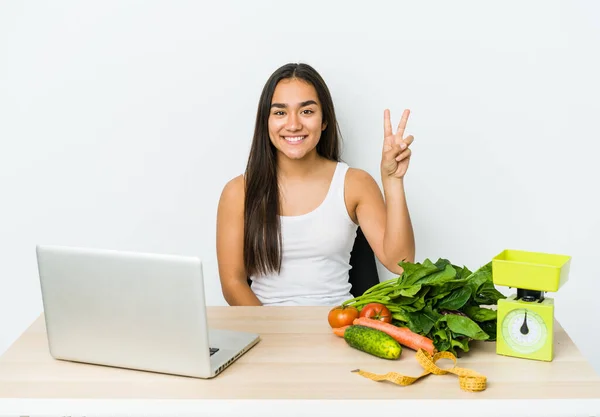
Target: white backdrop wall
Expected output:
[120,122]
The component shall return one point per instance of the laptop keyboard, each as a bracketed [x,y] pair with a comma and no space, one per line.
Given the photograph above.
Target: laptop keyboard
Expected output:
[213,351]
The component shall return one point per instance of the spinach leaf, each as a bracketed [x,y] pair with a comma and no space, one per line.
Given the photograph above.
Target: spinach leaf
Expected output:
[406,292]
[417,302]
[414,272]
[410,291]
[440,296]
[410,268]
[461,342]
[479,277]
[442,263]
[443,290]
[416,305]
[442,345]
[404,301]
[440,334]
[399,317]
[490,327]
[462,273]
[440,277]
[480,314]
[464,326]
[456,299]
[422,321]
[442,340]
[488,294]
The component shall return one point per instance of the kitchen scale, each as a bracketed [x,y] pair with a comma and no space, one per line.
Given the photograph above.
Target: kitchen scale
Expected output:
[525,327]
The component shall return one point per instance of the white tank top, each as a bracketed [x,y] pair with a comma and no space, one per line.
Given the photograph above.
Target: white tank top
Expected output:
[316,252]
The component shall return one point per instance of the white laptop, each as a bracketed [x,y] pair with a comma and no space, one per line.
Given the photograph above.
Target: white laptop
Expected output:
[133,310]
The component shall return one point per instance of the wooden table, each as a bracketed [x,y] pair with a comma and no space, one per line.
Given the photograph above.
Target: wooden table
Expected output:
[300,361]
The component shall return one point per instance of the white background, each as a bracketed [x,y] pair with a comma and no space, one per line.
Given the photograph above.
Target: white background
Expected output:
[120,122]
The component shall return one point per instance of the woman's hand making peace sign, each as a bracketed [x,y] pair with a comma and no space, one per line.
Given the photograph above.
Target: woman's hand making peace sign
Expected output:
[396,151]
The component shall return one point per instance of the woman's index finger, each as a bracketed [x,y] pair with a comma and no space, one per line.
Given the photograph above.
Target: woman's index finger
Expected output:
[387,124]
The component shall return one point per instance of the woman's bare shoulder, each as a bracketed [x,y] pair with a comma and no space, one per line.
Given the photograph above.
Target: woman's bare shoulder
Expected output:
[360,187]
[233,191]
[357,178]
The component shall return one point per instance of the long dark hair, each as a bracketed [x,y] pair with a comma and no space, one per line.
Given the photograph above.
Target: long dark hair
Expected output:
[262,227]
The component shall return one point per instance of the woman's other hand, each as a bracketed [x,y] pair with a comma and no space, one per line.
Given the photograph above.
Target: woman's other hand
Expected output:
[396,148]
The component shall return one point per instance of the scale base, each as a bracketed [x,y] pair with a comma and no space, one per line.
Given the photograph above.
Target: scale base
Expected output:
[525,328]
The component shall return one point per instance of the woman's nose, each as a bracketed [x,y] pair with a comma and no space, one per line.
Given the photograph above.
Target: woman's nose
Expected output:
[293,122]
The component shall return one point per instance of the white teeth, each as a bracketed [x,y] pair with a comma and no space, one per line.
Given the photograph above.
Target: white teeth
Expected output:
[294,139]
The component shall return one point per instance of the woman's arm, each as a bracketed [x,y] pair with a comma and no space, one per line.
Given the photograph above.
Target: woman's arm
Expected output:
[230,246]
[399,239]
[386,223]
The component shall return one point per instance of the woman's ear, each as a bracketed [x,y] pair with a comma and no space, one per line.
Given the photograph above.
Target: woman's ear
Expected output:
[323,126]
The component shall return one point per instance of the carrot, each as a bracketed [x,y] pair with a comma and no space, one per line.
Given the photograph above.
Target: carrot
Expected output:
[339,331]
[402,335]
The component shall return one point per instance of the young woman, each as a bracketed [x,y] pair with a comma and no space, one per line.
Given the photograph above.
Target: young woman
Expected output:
[289,222]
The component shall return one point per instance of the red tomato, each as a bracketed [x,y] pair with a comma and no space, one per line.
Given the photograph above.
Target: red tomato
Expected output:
[342,316]
[376,311]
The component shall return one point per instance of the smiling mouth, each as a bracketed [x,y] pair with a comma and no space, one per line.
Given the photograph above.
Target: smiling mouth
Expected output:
[293,139]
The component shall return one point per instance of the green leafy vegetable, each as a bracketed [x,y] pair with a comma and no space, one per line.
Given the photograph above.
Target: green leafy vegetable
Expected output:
[422,321]
[480,314]
[490,328]
[442,301]
[464,326]
[456,299]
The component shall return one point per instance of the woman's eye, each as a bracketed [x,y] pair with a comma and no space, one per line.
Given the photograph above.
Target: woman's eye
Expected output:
[278,113]
[307,111]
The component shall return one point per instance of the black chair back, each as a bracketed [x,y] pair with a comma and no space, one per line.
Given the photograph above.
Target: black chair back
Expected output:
[363,274]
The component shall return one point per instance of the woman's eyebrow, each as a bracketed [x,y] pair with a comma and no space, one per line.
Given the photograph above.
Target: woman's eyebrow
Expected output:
[302,104]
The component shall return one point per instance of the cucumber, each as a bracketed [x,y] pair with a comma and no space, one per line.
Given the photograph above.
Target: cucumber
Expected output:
[372,341]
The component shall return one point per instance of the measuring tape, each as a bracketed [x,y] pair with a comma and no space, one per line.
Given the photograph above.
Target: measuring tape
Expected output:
[468,380]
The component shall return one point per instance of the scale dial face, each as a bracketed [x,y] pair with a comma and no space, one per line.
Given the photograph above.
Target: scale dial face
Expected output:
[524,330]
